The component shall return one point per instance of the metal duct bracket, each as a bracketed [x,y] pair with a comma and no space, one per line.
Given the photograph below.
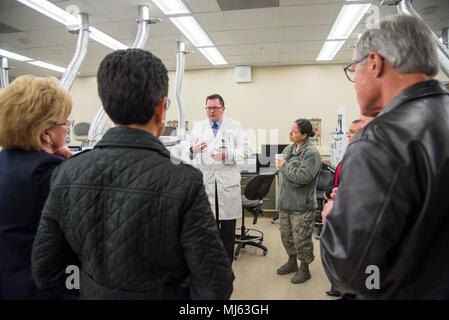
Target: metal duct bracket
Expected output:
[80,53]
[143,29]
[4,76]
[144,15]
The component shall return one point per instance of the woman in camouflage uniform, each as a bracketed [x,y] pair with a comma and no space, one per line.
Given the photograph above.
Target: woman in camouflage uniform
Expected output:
[298,175]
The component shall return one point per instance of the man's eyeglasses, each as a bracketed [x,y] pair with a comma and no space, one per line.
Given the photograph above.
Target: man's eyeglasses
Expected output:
[349,69]
[213,108]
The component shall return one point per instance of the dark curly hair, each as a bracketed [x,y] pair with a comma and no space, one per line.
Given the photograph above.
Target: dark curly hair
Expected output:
[130,84]
[305,127]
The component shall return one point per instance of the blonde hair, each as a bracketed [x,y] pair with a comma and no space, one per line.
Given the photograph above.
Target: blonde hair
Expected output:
[29,106]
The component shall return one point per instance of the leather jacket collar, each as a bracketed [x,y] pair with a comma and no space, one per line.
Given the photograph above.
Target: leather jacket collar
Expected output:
[416,91]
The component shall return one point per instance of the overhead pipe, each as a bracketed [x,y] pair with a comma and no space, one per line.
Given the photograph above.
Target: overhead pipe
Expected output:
[143,30]
[445,36]
[4,77]
[405,7]
[80,53]
[180,64]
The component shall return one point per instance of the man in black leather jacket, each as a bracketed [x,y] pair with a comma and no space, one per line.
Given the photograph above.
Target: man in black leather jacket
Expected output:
[138,225]
[386,236]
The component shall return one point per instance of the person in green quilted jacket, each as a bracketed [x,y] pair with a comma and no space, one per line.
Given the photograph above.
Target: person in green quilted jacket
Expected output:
[298,175]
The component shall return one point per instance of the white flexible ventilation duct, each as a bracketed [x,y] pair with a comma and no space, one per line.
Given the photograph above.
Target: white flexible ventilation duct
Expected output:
[405,7]
[101,121]
[180,63]
[80,53]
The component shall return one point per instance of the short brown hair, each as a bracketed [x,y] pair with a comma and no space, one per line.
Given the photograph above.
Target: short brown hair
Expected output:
[216,96]
[29,106]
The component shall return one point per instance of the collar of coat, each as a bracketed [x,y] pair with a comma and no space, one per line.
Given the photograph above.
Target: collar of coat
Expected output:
[416,91]
[124,137]
[292,148]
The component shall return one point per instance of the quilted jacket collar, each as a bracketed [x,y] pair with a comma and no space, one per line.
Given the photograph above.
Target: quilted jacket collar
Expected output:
[124,137]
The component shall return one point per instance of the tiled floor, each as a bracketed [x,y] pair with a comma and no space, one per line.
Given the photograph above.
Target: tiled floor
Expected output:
[256,277]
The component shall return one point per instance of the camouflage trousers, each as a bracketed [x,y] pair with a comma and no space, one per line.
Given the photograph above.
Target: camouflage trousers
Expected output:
[296,234]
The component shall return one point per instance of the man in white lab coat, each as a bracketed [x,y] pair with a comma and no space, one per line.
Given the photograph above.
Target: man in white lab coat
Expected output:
[217,144]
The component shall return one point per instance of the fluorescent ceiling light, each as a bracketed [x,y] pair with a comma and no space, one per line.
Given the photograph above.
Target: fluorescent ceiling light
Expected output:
[348,18]
[193,31]
[106,40]
[12,55]
[329,50]
[171,6]
[52,11]
[213,55]
[15,56]
[47,66]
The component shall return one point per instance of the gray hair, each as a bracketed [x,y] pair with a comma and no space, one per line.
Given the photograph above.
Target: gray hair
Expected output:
[405,42]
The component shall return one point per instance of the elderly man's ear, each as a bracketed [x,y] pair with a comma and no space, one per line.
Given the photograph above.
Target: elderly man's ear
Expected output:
[376,64]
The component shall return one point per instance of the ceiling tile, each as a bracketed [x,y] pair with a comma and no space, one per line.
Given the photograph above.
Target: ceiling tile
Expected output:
[257,35]
[22,40]
[253,59]
[305,33]
[247,49]
[26,19]
[167,42]
[212,21]
[301,46]
[255,18]
[247,4]
[298,56]
[309,15]
[284,3]
[220,38]
[57,36]
[202,5]
[4,4]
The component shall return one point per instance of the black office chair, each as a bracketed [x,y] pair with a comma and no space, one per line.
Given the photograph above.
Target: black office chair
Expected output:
[256,189]
[325,182]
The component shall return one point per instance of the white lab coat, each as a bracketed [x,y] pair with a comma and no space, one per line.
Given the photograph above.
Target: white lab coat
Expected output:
[226,173]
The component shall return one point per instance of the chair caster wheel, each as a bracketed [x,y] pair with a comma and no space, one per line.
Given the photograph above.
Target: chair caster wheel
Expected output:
[264,253]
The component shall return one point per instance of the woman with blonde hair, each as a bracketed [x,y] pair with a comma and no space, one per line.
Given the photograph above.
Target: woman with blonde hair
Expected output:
[33,128]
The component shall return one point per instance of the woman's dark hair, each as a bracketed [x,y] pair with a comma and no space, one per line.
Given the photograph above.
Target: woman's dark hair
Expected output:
[131,83]
[305,127]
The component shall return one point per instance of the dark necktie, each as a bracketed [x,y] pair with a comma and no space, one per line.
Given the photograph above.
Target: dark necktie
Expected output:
[215,129]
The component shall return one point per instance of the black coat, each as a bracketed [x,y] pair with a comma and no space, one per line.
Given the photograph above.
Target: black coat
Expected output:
[140,225]
[24,185]
[392,208]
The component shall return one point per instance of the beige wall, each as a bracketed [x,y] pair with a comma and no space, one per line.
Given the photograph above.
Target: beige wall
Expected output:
[273,100]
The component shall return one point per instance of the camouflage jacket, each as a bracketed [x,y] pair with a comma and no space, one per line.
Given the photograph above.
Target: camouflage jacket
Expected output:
[298,178]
